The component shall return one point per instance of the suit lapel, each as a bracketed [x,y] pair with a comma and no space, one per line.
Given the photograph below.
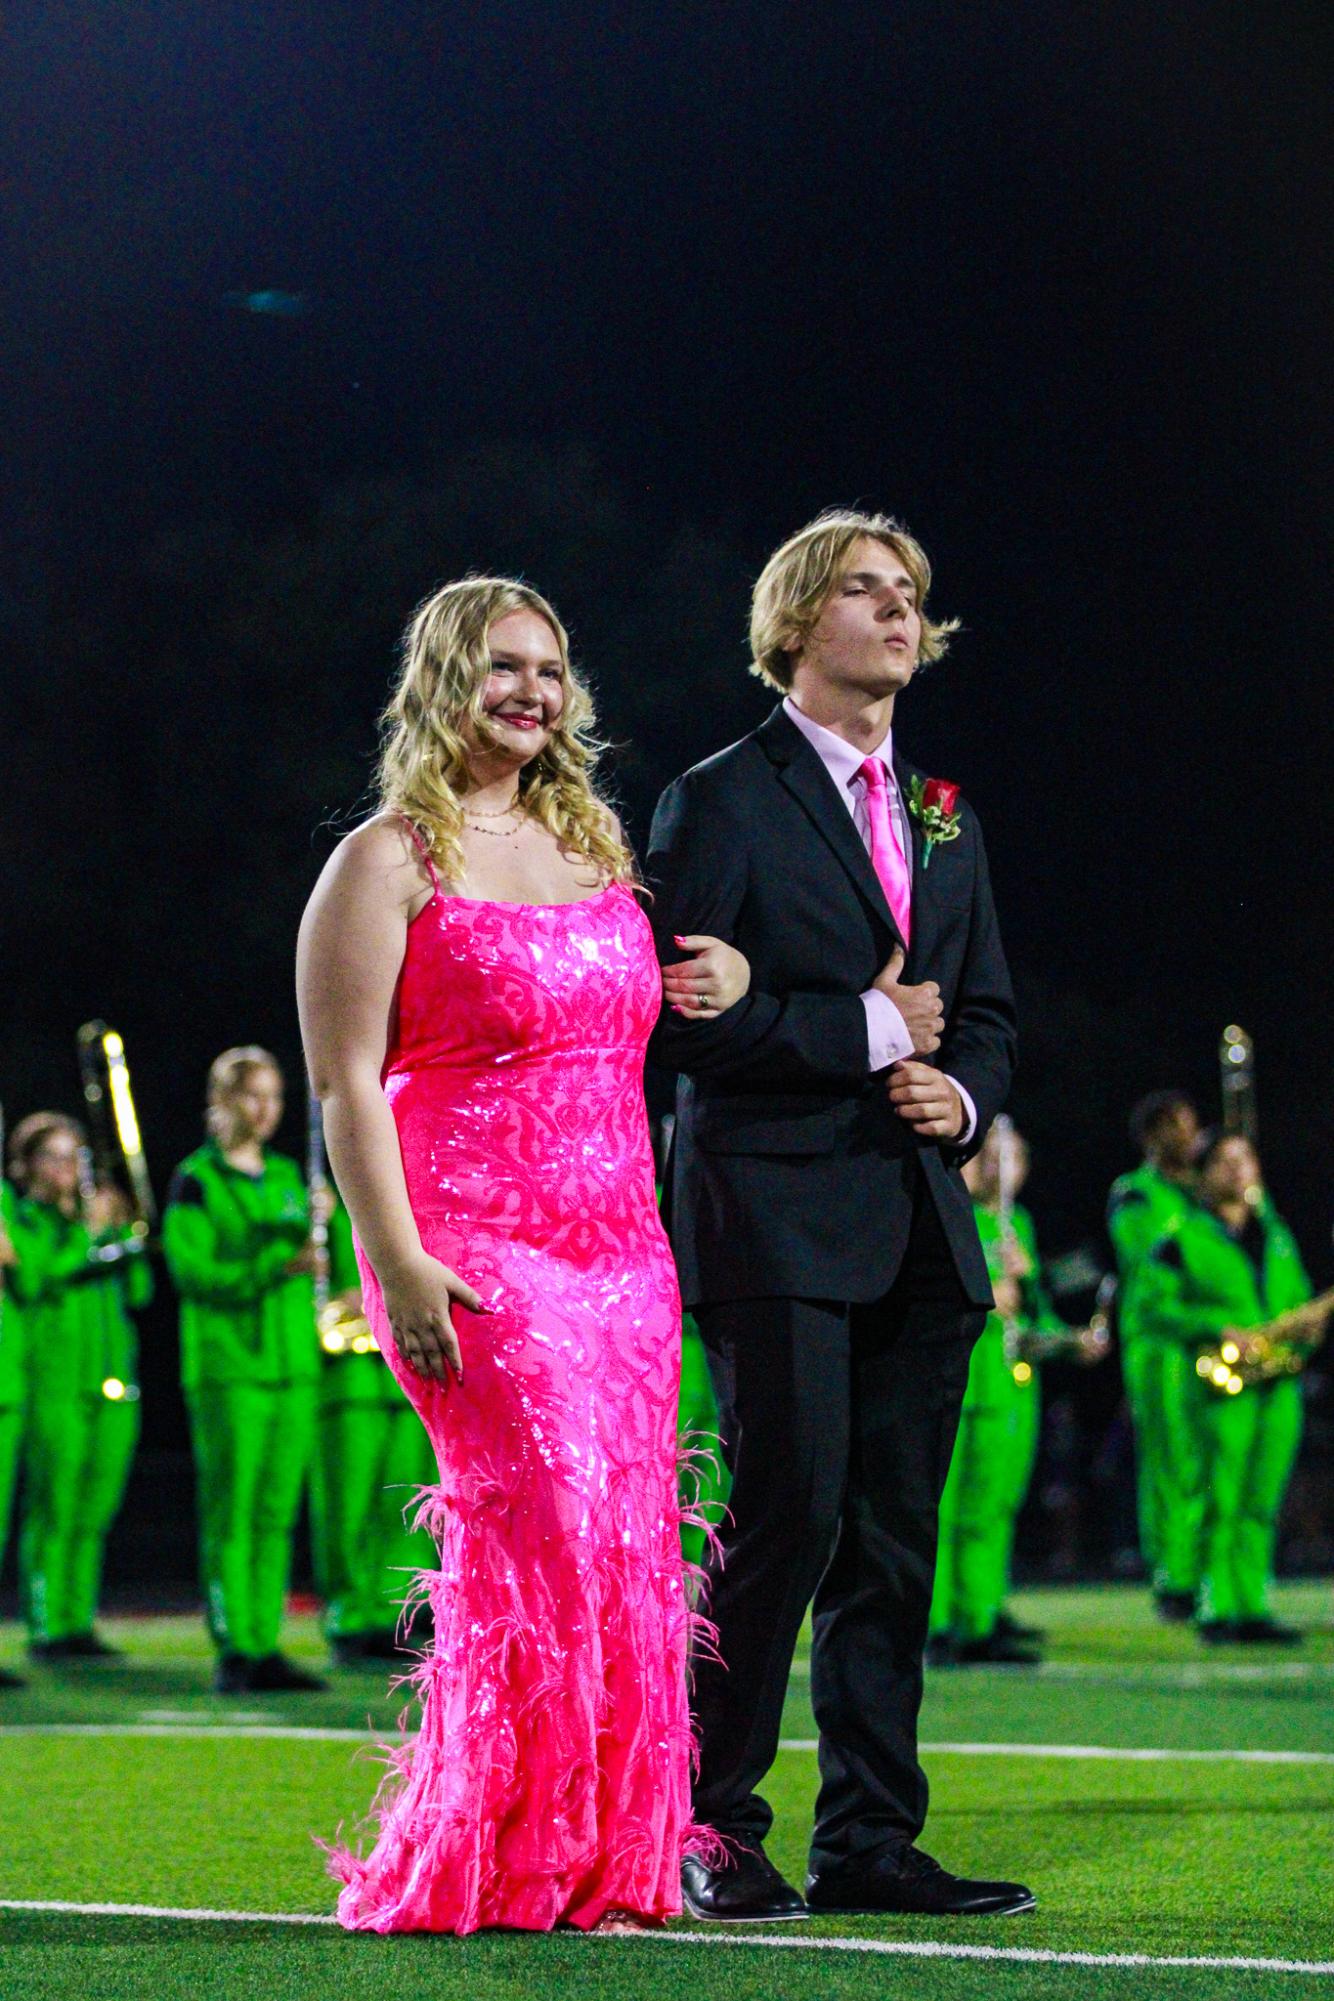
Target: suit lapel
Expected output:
[801,771]
[923,901]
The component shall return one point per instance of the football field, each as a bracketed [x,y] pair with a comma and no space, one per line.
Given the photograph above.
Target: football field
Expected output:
[1173,1809]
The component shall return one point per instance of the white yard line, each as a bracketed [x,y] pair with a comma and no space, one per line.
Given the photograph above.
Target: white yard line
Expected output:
[1188,1674]
[1130,1754]
[902,1948]
[309,1734]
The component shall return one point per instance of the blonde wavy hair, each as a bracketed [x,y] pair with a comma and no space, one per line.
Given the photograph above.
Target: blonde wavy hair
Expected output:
[798,580]
[228,1075]
[425,761]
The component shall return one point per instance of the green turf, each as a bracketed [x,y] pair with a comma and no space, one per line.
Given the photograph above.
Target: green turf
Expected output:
[1162,1858]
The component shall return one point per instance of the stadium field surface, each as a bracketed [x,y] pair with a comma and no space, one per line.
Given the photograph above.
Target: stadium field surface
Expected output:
[1173,1809]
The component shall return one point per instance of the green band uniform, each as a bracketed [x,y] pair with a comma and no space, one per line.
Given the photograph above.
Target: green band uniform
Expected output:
[372,1455]
[1169,1451]
[1199,1280]
[994,1453]
[73,1314]
[704,1480]
[13,1379]
[250,1372]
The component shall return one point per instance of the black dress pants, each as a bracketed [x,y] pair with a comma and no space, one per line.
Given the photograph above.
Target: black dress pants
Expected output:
[837,1424]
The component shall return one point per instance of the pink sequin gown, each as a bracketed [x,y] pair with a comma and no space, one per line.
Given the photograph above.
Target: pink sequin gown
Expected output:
[549,1782]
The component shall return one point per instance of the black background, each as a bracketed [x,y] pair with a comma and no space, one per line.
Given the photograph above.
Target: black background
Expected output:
[617,297]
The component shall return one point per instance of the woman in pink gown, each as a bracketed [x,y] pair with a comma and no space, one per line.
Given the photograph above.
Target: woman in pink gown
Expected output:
[480,1060]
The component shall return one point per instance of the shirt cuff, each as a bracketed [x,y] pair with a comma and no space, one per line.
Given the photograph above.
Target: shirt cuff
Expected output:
[970,1115]
[887,1037]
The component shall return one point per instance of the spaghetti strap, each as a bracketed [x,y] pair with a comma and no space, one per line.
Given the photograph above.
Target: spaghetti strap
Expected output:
[422,849]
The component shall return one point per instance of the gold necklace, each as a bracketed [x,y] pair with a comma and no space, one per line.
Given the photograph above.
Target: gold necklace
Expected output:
[494,833]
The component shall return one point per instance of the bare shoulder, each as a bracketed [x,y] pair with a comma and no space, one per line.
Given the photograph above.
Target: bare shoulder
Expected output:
[377,861]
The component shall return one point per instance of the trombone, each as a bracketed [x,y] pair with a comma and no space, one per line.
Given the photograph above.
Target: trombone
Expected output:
[1236,1064]
[111,1115]
[105,1076]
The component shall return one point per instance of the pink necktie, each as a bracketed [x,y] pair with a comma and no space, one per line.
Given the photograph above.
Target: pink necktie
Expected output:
[886,854]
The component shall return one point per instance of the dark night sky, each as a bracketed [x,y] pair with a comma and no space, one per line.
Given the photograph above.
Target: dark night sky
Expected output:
[1049,282]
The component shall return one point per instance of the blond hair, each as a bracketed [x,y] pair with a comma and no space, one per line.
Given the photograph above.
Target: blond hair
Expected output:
[30,1136]
[425,761]
[796,583]
[228,1075]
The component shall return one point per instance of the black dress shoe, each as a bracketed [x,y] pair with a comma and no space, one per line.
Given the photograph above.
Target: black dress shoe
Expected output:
[939,1651]
[1266,1633]
[746,1890]
[997,1648]
[274,1672]
[1218,1632]
[1174,1608]
[905,1880]
[8,1680]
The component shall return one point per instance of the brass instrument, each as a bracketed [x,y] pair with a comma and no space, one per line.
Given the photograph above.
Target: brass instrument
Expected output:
[1026,1346]
[343,1329]
[1282,1347]
[1070,1343]
[1236,1063]
[111,1114]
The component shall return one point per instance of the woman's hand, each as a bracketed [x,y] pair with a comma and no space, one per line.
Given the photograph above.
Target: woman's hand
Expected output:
[418,1300]
[707,984]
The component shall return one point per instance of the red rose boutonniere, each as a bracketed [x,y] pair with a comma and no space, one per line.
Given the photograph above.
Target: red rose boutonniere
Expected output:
[934,804]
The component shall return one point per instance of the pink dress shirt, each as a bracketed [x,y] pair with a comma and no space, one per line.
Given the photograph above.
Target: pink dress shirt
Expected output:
[887,1037]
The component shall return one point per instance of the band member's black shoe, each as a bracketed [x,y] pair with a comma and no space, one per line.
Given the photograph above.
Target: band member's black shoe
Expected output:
[8,1680]
[1015,1629]
[276,1673]
[939,1651]
[904,1880]
[234,1674]
[1174,1608]
[1266,1633]
[1218,1632]
[90,1646]
[997,1649]
[746,1890]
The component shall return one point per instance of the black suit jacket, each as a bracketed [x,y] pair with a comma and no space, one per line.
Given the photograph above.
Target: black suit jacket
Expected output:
[790,1175]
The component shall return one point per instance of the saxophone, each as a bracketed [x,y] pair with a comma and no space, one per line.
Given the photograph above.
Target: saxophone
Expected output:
[1282,1347]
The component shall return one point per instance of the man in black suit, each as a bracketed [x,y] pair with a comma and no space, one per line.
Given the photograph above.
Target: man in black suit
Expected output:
[824,1237]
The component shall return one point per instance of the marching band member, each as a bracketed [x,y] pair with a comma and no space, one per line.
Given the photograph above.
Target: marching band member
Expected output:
[79,1271]
[1227,1263]
[996,1446]
[1141,1207]
[13,1386]
[236,1239]
[371,1457]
